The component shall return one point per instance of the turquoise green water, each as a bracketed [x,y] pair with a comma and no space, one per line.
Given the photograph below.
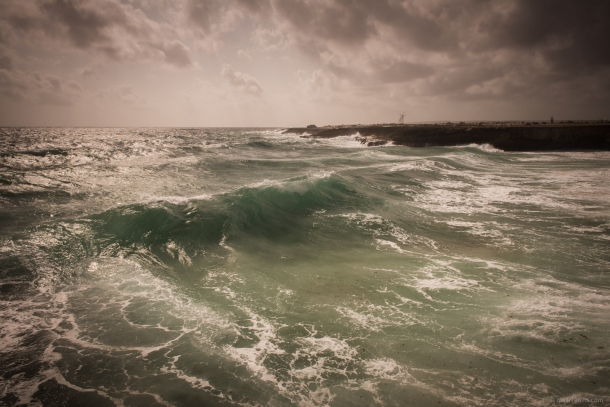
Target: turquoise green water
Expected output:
[191,267]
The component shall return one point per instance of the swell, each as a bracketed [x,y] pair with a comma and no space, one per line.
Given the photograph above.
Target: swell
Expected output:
[36,153]
[260,144]
[182,236]
[188,235]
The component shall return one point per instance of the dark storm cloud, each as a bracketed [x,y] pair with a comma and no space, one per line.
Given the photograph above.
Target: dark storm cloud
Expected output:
[103,27]
[6,63]
[255,6]
[39,88]
[446,26]
[469,49]
[6,33]
[339,21]
[176,53]
[200,14]
[353,22]
[402,71]
[209,20]
[453,45]
[85,26]
[571,34]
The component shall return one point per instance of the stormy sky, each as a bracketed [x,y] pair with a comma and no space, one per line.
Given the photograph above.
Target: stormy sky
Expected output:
[297,62]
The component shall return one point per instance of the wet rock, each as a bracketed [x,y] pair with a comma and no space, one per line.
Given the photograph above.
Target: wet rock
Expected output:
[505,136]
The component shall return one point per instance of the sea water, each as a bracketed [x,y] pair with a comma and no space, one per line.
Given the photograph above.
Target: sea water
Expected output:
[204,267]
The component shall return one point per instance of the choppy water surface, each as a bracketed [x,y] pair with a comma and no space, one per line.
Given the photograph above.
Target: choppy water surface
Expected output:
[190,267]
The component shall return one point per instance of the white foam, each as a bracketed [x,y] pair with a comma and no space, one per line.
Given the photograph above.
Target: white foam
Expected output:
[488,148]
[383,230]
[448,197]
[338,347]
[365,320]
[255,356]
[173,199]
[351,141]
[226,291]
[445,283]
[387,369]
[392,245]
[590,229]
[277,132]
[178,253]
[425,165]
[300,184]
[223,244]
[117,283]
[489,230]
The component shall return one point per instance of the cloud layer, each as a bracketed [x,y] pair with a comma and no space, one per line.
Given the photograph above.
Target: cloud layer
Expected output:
[415,52]
[241,81]
[43,88]
[498,48]
[105,28]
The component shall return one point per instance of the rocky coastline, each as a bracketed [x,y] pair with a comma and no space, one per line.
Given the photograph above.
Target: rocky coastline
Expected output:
[507,136]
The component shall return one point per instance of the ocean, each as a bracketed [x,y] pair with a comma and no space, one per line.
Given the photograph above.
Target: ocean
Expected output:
[203,267]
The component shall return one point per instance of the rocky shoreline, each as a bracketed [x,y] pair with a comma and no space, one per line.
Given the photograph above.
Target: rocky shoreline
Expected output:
[504,136]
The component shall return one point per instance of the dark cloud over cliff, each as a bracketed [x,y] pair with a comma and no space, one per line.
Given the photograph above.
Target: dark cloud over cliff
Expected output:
[445,41]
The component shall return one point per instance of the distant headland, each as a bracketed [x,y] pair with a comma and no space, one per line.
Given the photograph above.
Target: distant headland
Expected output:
[508,136]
